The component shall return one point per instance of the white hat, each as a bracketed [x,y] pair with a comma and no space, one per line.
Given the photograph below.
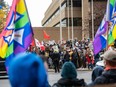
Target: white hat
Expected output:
[100,63]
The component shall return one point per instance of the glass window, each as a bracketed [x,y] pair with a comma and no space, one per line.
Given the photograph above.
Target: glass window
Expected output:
[76,21]
[57,25]
[57,12]
[63,6]
[64,23]
[76,3]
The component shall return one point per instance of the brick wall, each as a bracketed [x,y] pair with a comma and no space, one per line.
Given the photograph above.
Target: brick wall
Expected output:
[55,33]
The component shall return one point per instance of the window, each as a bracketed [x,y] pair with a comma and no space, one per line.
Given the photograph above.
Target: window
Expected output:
[63,6]
[76,21]
[64,23]
[57,25]
[76,3]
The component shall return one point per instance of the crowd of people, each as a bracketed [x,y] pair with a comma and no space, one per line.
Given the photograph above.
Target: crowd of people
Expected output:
[78,52]
[29,69]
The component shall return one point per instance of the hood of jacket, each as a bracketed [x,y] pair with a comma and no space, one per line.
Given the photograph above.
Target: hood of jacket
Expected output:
[27,70]
[68,70]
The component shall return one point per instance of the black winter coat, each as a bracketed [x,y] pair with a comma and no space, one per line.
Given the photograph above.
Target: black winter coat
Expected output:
[70,83]
[108,77]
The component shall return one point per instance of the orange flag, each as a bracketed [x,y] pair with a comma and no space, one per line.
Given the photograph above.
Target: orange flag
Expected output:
[33,42]
[46,36]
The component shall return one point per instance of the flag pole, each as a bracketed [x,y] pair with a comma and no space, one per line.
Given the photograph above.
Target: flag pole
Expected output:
[27,12]
[72,23]
[60,23]
[92,20]
[107,21]
[68,19]
[107,30]
[30,25]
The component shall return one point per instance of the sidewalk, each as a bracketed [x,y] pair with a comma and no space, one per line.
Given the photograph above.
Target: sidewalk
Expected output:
[49,70]
[79,69]
[84,69]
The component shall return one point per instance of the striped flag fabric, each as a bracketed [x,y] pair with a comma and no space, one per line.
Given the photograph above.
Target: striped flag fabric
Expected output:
[112,30]
[100,40]
[17,34]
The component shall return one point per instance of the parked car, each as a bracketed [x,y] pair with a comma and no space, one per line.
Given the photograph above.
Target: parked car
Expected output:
[2,67]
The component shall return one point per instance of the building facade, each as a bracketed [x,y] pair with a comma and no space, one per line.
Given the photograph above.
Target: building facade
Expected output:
[54,33]
[77,15]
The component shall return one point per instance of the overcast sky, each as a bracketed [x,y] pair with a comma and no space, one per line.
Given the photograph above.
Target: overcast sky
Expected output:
[36,9]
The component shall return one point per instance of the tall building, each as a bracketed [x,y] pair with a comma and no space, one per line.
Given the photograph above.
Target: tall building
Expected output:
[76,13]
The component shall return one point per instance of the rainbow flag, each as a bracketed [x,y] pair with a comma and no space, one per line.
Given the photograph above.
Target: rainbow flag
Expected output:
[112,30]
[17,34]
[100,40]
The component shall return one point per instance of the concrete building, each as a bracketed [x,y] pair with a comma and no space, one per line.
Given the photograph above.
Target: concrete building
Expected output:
[81,13]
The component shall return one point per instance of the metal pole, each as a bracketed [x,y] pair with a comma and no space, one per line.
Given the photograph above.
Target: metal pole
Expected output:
[72,23]
[92,20]
[60,23]
[107,20]
[83,26]
[68,19]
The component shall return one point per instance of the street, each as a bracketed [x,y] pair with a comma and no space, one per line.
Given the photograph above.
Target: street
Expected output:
[53,78]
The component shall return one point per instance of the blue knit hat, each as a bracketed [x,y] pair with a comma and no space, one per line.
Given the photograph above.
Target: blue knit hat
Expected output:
[27,70]
[68,70]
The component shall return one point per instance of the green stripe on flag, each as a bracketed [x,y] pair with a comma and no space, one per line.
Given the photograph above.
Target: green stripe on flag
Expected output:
[9,50]
[110,39]
[112,2]
[22,22]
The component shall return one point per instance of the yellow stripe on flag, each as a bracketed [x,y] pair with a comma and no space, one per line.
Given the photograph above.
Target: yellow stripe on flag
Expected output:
[20,7]
[3,49]
[114,32]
